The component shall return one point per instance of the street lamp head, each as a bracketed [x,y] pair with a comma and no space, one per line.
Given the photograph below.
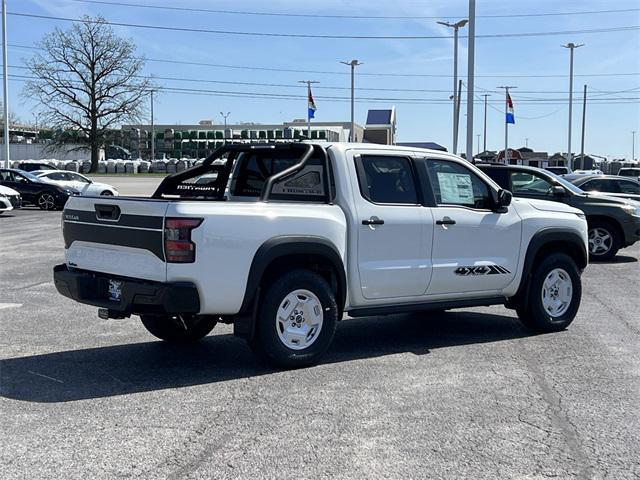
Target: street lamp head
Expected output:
[352,63]
[456,25]
[572,45]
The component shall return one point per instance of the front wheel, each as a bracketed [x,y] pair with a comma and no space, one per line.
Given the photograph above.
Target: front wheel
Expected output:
[604,240]
[178,328]
[554,295]
[46,201]
[107,193]
[297,320]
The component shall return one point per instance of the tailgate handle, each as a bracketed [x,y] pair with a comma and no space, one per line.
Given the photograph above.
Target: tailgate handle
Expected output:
[108,212]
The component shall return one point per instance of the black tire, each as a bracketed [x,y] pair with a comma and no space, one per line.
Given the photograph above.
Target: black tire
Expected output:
[106,193]
[597,228]
[46,201]
[178,328]
[534,315]
[266,341]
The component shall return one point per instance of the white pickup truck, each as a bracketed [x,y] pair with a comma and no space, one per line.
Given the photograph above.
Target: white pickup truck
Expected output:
[283,239]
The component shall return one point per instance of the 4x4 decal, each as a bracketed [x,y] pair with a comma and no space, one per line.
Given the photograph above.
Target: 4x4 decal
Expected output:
[481,270]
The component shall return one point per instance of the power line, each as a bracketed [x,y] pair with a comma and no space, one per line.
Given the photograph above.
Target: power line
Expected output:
[324,36]
[333,87]
[333,16]
[271,95]
[369,74]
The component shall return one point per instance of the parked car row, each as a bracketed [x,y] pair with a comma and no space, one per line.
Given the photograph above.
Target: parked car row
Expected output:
[613,221]
[46,189]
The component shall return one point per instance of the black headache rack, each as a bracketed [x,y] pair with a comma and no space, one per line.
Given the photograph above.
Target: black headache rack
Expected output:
[176,185]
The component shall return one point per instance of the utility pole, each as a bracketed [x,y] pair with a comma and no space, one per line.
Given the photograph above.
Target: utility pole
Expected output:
[5,71]
[225,125]
[478,135]
[353,64]
[456,91]
[308,84]
[485,121]
[506,124]
[571,47]
[584,121]
[153,132]
[633,146]
[471,76]
[526,142]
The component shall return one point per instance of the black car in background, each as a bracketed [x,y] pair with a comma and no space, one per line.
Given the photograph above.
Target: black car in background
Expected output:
[614,223]
[34,190]
[610,185]
[33,166]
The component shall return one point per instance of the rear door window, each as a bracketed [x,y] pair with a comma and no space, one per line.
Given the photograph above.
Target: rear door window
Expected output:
[600,185]
[627,186]
[387,179]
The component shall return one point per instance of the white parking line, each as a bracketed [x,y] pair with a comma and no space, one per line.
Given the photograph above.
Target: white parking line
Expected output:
[10,305]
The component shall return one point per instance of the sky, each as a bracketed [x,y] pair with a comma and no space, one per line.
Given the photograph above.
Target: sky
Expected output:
[415,75]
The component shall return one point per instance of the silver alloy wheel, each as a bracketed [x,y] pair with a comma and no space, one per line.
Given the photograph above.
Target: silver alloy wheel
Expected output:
[600,241]
[299,319]
[557,292]
[46,201]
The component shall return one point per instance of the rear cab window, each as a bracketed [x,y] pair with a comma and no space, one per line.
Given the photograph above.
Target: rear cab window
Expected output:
[254,168]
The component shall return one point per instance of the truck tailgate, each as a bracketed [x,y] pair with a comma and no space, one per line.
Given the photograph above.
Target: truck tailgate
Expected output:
[120,236]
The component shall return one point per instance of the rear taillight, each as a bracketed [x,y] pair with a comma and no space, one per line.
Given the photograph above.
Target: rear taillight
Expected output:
[178,247]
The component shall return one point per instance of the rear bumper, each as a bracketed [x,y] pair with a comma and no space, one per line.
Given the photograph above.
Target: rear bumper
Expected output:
[137,296]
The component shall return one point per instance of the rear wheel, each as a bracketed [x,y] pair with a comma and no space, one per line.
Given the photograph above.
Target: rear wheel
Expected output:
[46,201]
[178,328]
[297,320]
[554,295]
[604,240]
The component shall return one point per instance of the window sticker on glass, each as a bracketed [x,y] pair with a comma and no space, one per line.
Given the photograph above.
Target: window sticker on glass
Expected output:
[455,188]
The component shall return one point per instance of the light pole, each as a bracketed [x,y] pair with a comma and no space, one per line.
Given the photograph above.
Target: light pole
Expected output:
[478,135]
[5,71]
[485,121]
[225,125]
[471,56]
[633,145]
[571,46]
[353,64]
[456,26]
[153,132]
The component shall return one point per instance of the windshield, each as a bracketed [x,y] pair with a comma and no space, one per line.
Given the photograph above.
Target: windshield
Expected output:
[566,184]
[30,176]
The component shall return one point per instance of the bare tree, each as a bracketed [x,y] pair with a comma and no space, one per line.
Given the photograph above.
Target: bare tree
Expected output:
[88,80]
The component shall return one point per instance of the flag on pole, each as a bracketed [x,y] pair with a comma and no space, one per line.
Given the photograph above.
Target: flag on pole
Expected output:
[510,117]
[312,105]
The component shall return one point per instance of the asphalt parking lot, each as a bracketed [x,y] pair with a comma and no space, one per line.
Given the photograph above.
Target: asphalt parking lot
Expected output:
[465,394]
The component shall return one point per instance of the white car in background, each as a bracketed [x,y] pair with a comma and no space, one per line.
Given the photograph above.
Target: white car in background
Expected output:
[76,181]
[9,199]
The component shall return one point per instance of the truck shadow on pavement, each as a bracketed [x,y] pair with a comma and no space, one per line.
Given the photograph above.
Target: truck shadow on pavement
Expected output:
[142,367]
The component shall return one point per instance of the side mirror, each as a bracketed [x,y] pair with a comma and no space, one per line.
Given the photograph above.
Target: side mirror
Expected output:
[558,191]
[504,198]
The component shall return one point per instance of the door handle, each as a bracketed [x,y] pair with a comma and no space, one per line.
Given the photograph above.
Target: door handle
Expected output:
[446,221]
[373,221]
